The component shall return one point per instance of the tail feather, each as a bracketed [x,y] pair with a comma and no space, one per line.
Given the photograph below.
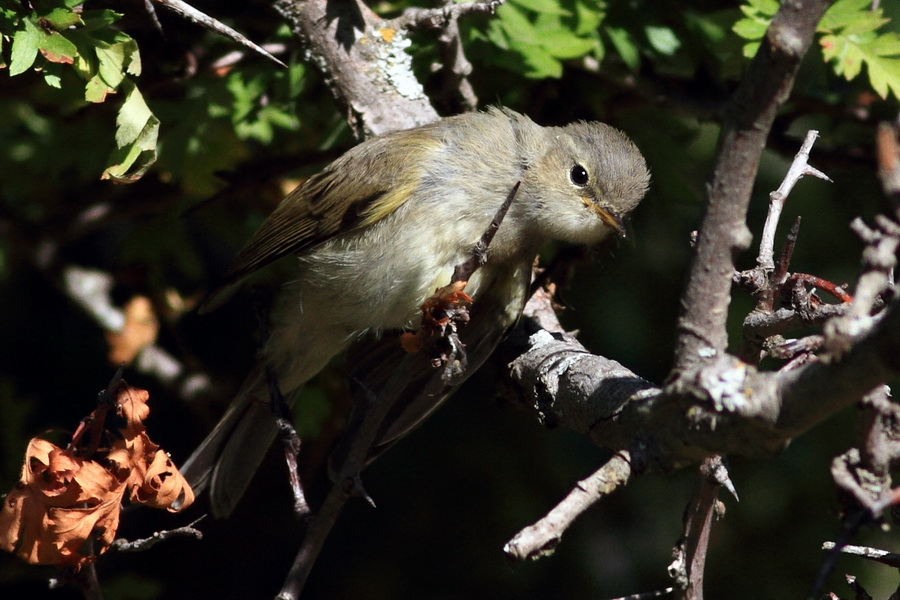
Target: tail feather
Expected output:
[227,459]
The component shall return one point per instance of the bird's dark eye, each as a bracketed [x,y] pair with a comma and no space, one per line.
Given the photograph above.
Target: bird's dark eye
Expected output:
[579,176]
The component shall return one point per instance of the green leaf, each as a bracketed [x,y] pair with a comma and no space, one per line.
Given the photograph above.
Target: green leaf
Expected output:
[516,24]
[95,90]
[627,50]
[543,6]
[852,41]
[95,20]
[541,65]
[562,44]
[588,17]
[765,7]
[62,18]
[52,79]
[137,133]
[750,49]
[133,116]
[663,39]
[884,74]
[111,64]
[57,49]
[751,29]
[845,12]
[25,46]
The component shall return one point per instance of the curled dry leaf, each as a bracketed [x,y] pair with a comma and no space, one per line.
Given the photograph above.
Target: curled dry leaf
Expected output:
[65,508]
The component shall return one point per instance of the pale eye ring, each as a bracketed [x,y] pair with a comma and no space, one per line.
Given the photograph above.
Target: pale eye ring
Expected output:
[578,175]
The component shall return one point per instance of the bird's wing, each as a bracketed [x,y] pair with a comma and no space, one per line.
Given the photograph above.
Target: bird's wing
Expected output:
[361,187]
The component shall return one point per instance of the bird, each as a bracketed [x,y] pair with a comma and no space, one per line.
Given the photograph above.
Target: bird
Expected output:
[378,230]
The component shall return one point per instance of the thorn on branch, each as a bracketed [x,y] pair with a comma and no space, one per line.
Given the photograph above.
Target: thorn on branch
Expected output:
[787,252]
[799,168]
[193,15]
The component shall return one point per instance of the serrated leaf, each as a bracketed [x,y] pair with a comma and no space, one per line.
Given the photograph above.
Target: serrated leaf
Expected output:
[62,18]
[548,22]
[497,35]
[137,133]
[884,74]
[887,44]
[842,13]
[543,6]
[516,24]
[25,46]
[563,45]
[625,47]
[663,39]
[588,18]
[848,57]
[541,65]
[57,49]
[52,79]
[766,7]
[111,64]
[99,19]
[95,90]
[865,23]
[750,29]
[750,50]
[133,62]
[134,114]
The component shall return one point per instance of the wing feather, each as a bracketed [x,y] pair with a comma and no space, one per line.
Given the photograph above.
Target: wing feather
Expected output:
[366,184]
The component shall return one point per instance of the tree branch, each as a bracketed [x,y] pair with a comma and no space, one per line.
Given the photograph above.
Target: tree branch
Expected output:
[364,62]
[748,119]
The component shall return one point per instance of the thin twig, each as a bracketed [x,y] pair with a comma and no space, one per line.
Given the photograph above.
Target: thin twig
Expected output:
[123,545]
[465,270]
[436,18]
[799,168]
[541,538]
[287,434]
[891,559]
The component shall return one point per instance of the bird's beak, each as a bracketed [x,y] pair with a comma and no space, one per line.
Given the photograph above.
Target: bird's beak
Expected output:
[610,219]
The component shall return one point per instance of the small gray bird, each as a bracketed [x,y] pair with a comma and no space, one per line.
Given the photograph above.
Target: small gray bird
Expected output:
[381,228]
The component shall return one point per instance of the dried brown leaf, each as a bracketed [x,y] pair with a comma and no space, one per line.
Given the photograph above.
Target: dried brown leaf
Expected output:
[65,509]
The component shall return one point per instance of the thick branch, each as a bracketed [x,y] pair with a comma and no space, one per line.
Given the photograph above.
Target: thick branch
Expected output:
[748,119]
[365,64]
[724,407]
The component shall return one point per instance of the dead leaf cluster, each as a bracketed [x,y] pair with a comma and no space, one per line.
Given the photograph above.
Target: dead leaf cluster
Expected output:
[65,508]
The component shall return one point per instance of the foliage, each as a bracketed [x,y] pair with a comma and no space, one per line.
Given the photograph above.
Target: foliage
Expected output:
[850,38]
[54,33]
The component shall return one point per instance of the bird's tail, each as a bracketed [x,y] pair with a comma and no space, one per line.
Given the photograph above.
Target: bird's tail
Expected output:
[227,459]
